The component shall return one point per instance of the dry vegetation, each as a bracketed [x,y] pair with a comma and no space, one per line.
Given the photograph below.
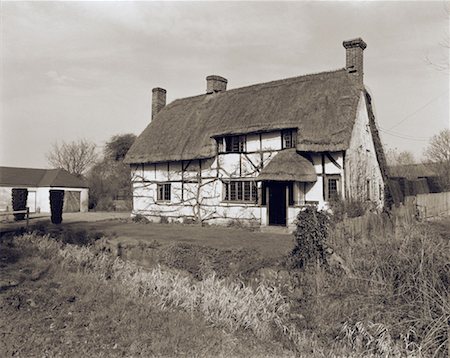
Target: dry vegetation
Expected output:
[392,299]
[65,300]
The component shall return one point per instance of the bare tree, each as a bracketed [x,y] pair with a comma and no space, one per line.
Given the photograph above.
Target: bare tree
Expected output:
[76,157]
[442,63]
[394,157]
[438,152]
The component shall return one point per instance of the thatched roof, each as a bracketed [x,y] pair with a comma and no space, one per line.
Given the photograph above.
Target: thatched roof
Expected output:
[322,106]
[288,165]
[31,177]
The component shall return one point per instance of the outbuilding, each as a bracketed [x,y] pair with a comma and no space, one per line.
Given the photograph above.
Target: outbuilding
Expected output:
[39,182]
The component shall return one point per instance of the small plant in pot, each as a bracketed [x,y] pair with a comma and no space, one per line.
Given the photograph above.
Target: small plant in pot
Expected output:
[56,205]
[19,202]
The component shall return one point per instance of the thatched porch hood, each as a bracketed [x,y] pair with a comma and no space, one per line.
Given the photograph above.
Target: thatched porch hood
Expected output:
[321,106]
[288,165]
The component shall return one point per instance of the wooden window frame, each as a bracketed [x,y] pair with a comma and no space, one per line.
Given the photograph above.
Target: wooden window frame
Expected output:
[235,191]
[163,192]
[233,144]
[288,138]
[328,179]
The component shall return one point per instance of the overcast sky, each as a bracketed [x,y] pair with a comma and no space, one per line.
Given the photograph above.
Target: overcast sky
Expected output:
[73,70]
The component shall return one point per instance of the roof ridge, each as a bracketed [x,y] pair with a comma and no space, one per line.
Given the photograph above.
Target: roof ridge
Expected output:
[8,167]
[273,83]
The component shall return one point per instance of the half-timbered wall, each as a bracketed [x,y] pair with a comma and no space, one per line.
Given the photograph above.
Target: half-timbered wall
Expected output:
[197,185]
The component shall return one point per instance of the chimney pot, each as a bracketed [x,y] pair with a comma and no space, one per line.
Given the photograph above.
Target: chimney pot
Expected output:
[216,84]
[158,100]
[354,57]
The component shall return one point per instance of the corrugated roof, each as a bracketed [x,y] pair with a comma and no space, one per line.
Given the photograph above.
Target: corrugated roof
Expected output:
[288,165]
[13,176]
[322,106]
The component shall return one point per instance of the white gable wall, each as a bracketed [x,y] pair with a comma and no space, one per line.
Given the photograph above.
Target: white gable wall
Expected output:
[363,177]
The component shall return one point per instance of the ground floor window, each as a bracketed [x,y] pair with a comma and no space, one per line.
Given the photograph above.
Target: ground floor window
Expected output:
[238,190]
[163,192]
[332,187]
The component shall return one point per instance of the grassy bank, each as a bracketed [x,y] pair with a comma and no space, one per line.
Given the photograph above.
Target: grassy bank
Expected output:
[63,300]
[392,299]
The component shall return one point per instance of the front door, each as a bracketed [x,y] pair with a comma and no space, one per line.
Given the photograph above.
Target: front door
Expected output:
[277,203]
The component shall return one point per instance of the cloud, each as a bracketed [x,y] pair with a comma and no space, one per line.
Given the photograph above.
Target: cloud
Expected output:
[60,79]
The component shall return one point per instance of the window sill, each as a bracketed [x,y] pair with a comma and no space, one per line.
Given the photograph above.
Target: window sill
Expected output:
[239,202]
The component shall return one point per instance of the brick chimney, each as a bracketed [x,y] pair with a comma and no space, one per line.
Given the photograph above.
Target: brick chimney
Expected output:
[216,84]
[354,57]
[158,100]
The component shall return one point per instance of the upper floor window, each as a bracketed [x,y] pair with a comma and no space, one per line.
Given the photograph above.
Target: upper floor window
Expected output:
[288,138]
[163,192]
[232,144]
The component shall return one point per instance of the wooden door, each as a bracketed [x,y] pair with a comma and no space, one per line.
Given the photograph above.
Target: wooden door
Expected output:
[277,204]
[71,201]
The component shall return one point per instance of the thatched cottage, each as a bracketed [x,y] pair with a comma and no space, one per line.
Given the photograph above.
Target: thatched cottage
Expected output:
[260,153]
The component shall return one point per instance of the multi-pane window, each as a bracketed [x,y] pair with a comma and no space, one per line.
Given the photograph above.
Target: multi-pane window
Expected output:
[240,191]
[288,138]
[163,192]
[235,144]
[332,187]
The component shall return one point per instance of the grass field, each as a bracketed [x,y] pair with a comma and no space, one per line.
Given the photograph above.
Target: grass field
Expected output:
[119,228]
[393,302]
[47,310]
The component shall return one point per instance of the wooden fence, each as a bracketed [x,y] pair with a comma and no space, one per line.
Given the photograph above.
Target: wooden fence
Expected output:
[433,205]
[419,207]
[373,224]
[26,212]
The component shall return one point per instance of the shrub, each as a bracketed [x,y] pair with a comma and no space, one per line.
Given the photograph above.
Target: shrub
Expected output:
[310,235]
[56,205]
[19,202]
[164,220]
[347,208]
[139,218]
[79,237]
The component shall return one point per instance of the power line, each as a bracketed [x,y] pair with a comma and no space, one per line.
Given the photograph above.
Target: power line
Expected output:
[404,137]
[401,134]
[417,110]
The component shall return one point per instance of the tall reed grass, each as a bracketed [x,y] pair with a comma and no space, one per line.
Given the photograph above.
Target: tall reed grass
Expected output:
[222,302]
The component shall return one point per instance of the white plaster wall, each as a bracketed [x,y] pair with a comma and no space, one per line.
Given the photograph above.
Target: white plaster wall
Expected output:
[6,197]
[84,200]
[361,162]
[253,143]
[271,140]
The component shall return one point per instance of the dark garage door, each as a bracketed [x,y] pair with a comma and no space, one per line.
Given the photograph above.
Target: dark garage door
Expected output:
[71,201]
